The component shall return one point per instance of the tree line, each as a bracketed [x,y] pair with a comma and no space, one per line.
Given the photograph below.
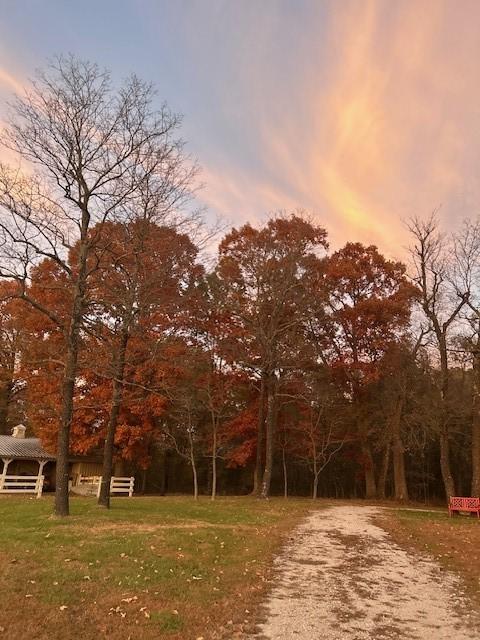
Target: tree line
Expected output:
[277,357]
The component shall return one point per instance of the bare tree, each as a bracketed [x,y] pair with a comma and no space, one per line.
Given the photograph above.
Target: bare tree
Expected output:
[182,431]
[430,259]
[467,277]
[283,440]
[321,443]
[318,433]
[88,148]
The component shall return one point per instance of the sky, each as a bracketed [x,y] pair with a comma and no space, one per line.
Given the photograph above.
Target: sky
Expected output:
[363,112]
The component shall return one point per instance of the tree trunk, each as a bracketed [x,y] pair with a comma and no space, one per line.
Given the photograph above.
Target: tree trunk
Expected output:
[194,468]
[382,477]
[257,474]
[195,480]
[269,437]
[144,481]
[445,466]
[6,389]
[214,459]
[316,473]
[68,383]
[285,474]
[369,471]
[445,463]
[5,400]
[476,457]
[117,396]
[476,424]
[398,454]
[162,476]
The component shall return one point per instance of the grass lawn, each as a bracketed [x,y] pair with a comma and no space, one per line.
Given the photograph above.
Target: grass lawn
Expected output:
[148,568]
[454,542]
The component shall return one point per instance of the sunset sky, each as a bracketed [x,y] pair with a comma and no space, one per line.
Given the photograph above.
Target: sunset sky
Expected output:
[363,112]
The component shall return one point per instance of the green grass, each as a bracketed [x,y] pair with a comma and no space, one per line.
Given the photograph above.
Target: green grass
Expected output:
[147,568]
[438,516]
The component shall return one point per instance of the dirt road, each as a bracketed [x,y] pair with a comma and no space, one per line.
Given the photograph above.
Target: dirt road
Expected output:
[341,577]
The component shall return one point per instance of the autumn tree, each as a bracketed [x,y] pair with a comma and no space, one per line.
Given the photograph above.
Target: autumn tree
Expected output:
[241,430]
[369,305]
[12,335]
[144,273]
[262,272]
[213,333]
[88,148]
[41,362]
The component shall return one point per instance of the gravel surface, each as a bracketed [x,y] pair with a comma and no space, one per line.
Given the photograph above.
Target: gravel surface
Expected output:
[341,577]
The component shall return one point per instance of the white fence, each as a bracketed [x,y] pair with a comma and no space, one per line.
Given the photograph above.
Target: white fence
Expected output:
[117,484]
[22,484]
[122,485]
[34,484]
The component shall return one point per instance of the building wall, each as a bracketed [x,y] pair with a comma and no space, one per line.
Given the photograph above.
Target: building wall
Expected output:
[23,468]
[85,469]
[89,469]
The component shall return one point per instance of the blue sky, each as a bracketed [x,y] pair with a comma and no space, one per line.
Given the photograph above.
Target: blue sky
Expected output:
[362,111]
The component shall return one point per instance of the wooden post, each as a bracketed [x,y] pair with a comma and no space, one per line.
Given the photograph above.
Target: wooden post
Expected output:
[39,485]
[130,491]
[99,488]
[6,462]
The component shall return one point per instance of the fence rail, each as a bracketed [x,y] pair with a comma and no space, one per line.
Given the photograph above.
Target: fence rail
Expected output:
[22,484]
[118,484]
[122,485]
[89,479]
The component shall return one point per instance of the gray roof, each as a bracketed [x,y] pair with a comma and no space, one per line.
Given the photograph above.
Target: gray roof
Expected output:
[23,449]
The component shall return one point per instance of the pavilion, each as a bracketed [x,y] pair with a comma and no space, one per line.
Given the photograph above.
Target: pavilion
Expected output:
[29,468]
[23,460]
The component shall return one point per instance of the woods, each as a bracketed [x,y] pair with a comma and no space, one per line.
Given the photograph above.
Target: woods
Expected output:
[269,365]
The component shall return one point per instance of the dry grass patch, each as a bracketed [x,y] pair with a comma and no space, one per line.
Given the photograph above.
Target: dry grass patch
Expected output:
[454,542]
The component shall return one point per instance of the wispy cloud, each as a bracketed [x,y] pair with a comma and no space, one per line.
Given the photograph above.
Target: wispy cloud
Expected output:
[391,128]
[362,111]
[10,82]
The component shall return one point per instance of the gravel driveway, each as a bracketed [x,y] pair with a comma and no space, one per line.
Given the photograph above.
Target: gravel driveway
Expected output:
[341,577]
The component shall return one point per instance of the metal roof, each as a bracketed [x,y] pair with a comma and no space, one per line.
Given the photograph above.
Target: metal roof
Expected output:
[23,449]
